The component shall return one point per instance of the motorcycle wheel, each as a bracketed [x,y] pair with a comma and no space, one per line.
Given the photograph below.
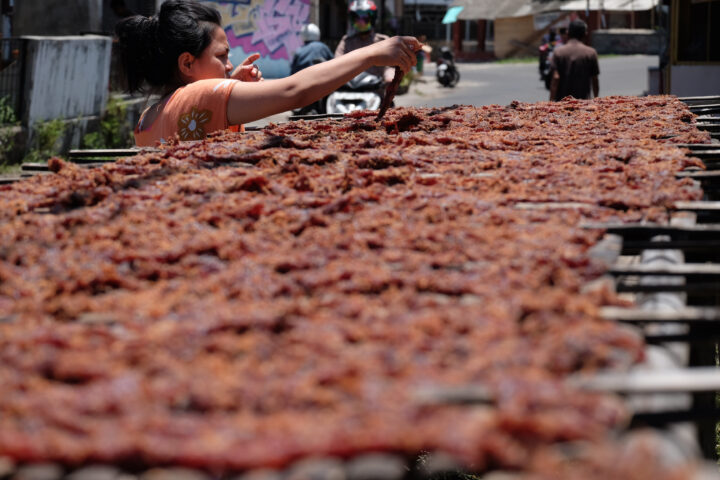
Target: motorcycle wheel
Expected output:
[455,78]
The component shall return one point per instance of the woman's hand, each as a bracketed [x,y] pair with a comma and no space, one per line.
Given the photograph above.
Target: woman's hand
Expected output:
[396,52]
[246,71]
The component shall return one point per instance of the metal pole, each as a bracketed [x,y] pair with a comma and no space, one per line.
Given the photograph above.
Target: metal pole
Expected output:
[652,17]
[22,59]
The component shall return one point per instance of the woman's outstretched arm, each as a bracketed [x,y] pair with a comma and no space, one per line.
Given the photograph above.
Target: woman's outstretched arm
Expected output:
[252,101]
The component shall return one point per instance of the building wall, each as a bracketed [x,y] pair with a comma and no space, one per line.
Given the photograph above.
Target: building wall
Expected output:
[511,30]
[627,42]
[47,17]
[268,27]
[695,80]
[66,77]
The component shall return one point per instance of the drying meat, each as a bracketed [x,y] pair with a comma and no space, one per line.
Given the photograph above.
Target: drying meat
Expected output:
[390,93]
[249,300]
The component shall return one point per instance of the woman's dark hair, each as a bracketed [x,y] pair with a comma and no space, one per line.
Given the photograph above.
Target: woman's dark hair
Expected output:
[150,46]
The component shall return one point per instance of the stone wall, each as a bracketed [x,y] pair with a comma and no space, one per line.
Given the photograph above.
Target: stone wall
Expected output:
[627,42]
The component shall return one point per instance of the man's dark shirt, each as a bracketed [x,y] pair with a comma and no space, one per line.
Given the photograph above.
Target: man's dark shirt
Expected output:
[576,64]
[310,54]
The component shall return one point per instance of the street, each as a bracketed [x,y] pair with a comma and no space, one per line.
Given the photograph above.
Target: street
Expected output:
[493,83]
[501,83]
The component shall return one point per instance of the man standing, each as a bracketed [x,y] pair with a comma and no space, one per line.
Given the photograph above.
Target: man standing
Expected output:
[575,66]
[363,14]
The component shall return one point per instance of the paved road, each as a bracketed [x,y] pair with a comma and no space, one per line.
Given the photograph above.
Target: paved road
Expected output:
[489,83]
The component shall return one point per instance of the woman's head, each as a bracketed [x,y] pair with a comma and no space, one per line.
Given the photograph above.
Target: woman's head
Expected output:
[158,49]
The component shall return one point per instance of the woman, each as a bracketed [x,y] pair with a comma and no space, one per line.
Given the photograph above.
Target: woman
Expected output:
[182,53]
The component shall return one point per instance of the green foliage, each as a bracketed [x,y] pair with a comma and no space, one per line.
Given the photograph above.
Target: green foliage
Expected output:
[7,140]
[114,131]
[7,143]
[405,82]
[7,112]
[407,79]
[513,60]
[45,136]
[9,169]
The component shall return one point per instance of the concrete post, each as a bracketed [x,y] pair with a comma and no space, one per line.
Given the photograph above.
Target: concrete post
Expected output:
[66,78]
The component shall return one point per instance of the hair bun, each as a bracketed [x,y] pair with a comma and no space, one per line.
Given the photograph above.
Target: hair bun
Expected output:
[150,46]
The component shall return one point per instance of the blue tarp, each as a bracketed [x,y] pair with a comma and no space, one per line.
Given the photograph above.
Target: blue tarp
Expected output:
[452,14]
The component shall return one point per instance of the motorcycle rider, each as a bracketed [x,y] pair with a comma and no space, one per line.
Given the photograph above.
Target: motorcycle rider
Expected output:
[446,72]
[363,14]
[547,45]
[312,52]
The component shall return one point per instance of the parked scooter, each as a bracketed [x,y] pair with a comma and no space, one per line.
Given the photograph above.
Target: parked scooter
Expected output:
[364,92]
[545,51]
[447,74]
[315,108]
[551,41]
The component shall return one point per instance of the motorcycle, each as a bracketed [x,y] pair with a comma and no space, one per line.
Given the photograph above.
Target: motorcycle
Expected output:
[447,74]
[546,51]
[315,108]
[364,92]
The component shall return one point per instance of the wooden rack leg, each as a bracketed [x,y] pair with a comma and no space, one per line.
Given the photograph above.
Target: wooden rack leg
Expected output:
[704,355]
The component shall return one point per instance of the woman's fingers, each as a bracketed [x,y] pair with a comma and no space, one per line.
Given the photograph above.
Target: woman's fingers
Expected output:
[410,57]
[398,52]
[247,73]
[412,43]
[404,64]
[249,60]
[408,47]
[251,73]
[405,59]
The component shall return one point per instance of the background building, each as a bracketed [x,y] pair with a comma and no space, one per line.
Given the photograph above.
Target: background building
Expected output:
[516,27]
[690,65]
